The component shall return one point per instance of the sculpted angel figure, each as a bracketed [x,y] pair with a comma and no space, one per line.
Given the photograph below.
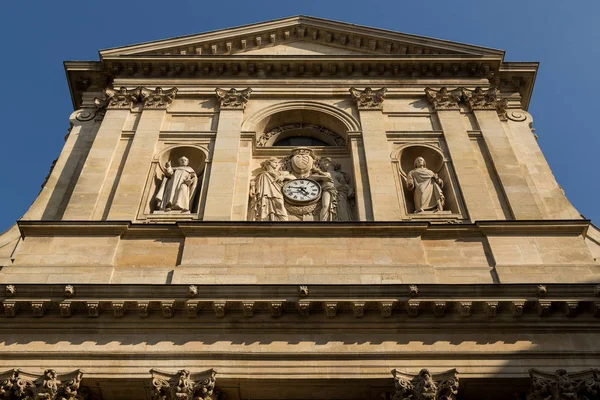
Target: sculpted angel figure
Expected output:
[266,200]
[177,188]
[427,187]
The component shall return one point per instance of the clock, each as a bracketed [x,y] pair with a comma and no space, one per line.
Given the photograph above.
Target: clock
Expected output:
[301,191]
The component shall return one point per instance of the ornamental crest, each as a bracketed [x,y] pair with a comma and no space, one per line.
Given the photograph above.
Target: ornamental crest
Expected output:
[303,160]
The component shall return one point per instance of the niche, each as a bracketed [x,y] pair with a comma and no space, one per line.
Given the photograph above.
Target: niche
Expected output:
[427,184]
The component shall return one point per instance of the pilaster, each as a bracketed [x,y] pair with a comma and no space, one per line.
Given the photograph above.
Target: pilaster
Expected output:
[93,175]
[521,200]
[362,190]
[77,144]
[133,178]
[220,197]
[384,196]
[476,196]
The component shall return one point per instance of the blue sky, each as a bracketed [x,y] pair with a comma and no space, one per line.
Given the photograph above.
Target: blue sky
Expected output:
[37,36]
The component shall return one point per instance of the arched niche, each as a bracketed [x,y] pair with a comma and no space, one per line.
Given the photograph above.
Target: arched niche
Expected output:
[327,123]
[405,157]
[197,156]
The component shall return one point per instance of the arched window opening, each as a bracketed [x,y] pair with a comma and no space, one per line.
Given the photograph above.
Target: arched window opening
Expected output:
[298,141]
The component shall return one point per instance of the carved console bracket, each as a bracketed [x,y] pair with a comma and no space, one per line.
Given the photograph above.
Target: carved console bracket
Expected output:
[233,99]
[368,99]
[17,384]
[562,385]
[425,386]
[184,385]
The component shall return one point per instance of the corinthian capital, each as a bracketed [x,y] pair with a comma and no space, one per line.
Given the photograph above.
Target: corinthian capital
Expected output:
[368,99]
[562,385]
[184,385]
[425,386]
[118,98]
[444,99]
[17,384]
[233,99]
[480,99]
[157,98]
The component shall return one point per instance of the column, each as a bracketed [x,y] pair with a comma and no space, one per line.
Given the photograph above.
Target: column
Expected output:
[220,197]
[93,175]
[477,198]
[130,187]
[384,196]
[521,199]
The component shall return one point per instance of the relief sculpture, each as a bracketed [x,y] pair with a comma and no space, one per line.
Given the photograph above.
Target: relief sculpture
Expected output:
[301,187]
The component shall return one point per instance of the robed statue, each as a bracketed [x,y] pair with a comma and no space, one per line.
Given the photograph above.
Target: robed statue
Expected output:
[266,196]
[427,186]
[177,187]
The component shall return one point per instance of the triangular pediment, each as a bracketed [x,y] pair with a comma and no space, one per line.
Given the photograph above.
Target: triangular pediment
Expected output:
[300,35]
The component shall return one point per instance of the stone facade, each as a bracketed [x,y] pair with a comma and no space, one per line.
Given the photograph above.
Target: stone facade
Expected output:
[300,209]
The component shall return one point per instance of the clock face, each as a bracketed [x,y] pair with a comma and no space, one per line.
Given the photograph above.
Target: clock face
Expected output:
[302,191]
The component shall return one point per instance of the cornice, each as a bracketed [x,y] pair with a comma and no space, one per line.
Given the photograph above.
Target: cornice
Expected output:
[508,305]
[315,229]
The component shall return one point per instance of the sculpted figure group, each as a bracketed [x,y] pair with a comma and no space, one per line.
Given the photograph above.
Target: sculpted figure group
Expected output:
[269,204]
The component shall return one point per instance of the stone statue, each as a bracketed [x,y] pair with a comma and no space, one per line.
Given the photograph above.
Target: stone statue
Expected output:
[265,192]
[177,188]
[344,193]
[427,186]
[329,198]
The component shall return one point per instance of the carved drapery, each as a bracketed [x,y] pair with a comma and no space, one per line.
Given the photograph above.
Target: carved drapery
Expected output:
[17,384]
[184,385]
[425,386]
[368,99]
[233,99]
[319,130]
[157,98]
[562,385]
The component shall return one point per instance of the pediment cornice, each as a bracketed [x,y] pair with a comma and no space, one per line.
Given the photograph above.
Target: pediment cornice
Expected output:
[354,38]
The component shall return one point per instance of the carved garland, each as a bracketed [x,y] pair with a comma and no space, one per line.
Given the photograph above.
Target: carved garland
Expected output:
[273,133]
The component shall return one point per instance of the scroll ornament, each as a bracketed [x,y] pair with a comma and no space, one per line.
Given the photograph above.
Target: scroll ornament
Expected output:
[425,386]
[184,385]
